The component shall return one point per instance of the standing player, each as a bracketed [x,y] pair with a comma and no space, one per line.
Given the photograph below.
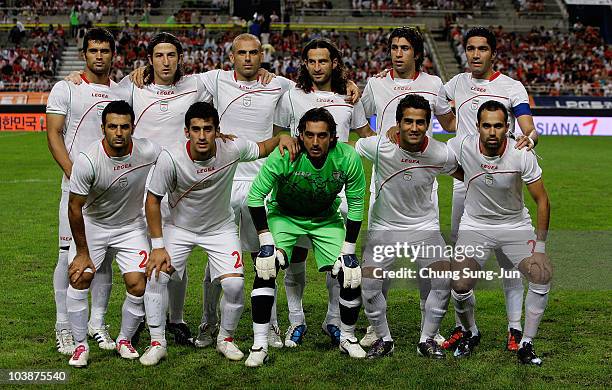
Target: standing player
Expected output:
[74,115]
[495,217]
[381,97]
[469,90]
[403,212]
[105,212]
[197,177]
[321,83]
[315,178]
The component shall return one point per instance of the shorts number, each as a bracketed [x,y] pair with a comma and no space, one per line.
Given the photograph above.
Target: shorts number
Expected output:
[145,256]
[532,243]
[238,259]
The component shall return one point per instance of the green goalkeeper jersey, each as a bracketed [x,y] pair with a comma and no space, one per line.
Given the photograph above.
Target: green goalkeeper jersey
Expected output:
[301,190]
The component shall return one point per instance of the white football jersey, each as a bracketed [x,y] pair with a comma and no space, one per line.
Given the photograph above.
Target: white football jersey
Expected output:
[495,184]
[470,93]
[246,109]
[296,102]
[82,106]
[114,186]
[404,182]
[199,192]
[160,109]
[382,95]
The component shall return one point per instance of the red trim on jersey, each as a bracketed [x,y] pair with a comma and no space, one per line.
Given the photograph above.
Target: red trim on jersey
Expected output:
[157,101]
[235,78]
[391,73]
[416,74]
[188,146]
[81,121]
[404,170]
[114,181]
[200,181]
[425,144]
[246,93]
[494,76]
[485,173]
[84,78]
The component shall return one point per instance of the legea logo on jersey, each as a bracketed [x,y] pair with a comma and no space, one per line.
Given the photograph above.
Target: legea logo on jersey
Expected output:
[205,169]
[489,180]
[478,89]
[163,106]
[410,161]
[122,166]
[246,101]
[488,166]
[165,93]
[399,88]
[323,100]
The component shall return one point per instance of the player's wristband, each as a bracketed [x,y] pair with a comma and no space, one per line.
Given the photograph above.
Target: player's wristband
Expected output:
[348,248]
[266,238]
[540,247]
[157,243]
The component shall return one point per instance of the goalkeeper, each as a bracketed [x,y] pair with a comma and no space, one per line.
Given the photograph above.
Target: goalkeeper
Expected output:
[305,201]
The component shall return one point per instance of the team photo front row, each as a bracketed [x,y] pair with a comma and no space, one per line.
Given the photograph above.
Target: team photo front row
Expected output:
[308,192]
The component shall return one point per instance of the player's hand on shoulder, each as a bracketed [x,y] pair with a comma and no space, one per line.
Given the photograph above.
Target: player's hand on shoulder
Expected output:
[137,76]
[81,262]
[226,137]
[265,76]
[159,261]
[529,142]
[349,264]
[75,77]
[289,143]
[353,92]
[393,134]
[268,258]
[382,74]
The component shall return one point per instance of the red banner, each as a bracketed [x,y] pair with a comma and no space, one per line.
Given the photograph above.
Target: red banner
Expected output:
[23,122]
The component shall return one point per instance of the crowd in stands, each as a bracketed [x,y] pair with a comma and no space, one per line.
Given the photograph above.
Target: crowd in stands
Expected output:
[526,6]
[401,8]
[28,9]
[550,61]
[32,64]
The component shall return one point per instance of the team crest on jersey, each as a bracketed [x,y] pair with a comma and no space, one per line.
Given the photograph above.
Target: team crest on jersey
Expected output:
[489,180]
[475,105]
[100,109]
[407,175]
[163,106]
[122,183]
[246,101]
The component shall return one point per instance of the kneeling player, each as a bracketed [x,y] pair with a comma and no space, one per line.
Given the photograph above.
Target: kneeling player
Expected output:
[197,176]
[305,201]
[403,212]
[105,213]
[495,217]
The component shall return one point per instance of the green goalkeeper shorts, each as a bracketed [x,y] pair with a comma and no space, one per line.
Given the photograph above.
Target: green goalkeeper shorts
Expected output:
[327,235]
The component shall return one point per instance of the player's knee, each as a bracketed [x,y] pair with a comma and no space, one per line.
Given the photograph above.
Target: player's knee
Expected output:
[233,288]
[462,285]
[136,285]
[537,269]
[540,289]
[260,283]
[83,282]
[461,296]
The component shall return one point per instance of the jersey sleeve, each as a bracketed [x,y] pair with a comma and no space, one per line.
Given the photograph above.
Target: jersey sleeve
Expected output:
[367,100]
[448,90]
[59,99]
[451,164]
[204,94]
[519,100]
[285,83]
[531,171]
[209,80]
[267,177]
[358,119]
[441,106]
[454,146]
[282,113]
[366,147]
[163,178]
[248,150]
[355,186]
[83,175]
[124,90]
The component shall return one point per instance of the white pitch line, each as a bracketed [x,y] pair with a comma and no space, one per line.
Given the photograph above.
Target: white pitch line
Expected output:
[20,181]
[15,135]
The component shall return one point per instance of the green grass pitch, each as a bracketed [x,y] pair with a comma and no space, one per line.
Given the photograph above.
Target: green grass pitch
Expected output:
[574,338]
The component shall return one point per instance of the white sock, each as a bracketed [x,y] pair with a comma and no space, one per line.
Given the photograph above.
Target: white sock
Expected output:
[156,306]
[464,308]
[260,335]
[422,307]
[177,288]
[535,304]
[100,289]
[435,308]
[295,280]
[60,287]
[232,304]
[273,316]
[211,294]
[375,307]
[132,313]
[347,331]
[78,308]
[333,300]
[513,292]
